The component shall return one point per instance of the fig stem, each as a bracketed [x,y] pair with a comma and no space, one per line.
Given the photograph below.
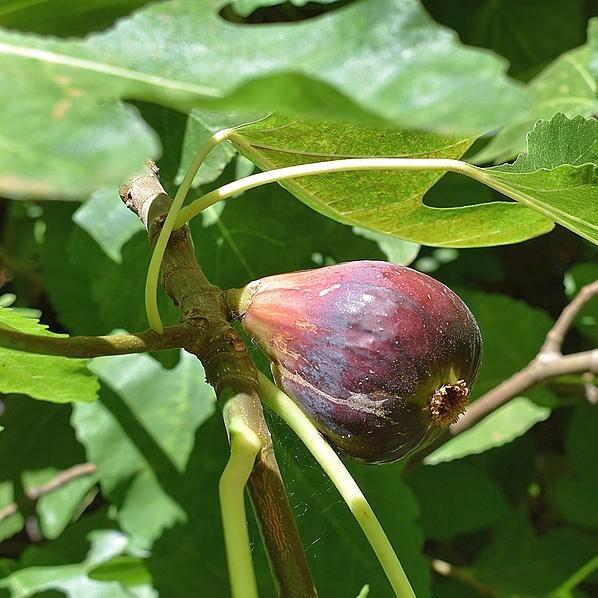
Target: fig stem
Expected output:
[334,468]
[153,272]
[330,166]
[244,447]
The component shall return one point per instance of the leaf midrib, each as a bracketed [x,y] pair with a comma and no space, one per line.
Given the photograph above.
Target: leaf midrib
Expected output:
[49,57]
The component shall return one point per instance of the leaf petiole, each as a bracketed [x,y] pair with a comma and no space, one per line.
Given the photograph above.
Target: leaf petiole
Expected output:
[244,447]
[330,166]
[153,272]
[280,403]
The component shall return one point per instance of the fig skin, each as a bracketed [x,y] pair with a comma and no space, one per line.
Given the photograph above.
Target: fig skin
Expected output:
[380,357]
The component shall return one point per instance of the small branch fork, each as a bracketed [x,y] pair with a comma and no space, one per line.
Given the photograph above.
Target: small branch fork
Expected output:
[230,370]
[62,479]
[548,363]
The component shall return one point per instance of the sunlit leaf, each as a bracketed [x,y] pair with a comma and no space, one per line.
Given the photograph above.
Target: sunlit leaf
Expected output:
[45,377]
[385,202]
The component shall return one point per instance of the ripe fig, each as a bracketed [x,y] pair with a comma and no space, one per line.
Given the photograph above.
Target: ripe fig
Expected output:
[380,357]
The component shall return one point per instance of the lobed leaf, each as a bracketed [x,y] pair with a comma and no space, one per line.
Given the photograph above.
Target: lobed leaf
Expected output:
[558,176]
[379,61]
[44,377]
[567,85]
[386,202]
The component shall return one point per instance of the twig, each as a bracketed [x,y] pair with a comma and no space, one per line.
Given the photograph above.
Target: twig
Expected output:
[62,479]
[548,363]
[231,372]
[590,388]
[461,574]
[97,346]
[556,335]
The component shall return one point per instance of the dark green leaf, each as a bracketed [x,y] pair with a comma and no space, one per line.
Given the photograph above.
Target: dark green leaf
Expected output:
[37,445]
[580,275]
[159,407]
[528,34]
[521,563]
[64,17]
[567,85]
[455,498]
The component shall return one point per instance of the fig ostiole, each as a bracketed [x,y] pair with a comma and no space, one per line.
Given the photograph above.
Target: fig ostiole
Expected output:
[380,357]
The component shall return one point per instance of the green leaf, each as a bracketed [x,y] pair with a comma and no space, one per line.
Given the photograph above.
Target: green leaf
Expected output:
[73,580]
[325,522]
[143,408]
[64,17]
[442,514]
[528,34]
[127,570]
[61,142]
[396,250]
[575,278]
[567,85]
[390,202]
[105,217]
[502,426]
[267,231]
[558,176]
[32,456]
[513,332]
[574,494]
[182,54]
[99,295]
[201,125]
[521,563]
[247,70]
[44,377]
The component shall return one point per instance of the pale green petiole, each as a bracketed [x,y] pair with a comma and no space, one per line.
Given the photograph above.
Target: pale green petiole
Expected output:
[244,447]
[301,170]
[279,402]
[153,272]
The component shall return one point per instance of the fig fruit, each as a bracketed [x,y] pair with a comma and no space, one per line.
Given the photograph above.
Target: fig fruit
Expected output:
[380,357]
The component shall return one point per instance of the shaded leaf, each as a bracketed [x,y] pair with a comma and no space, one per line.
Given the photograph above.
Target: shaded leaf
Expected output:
[64,17]
[480,501]
[513,332]
[574,495]
[520,562]
[108,221]
[396,250]
[578,276]
[31,457]
[127,570]
[567,85]
[99,295]
[73,580]
[266,231]
[528,34]
[142,403]
[325,522]
[44,377]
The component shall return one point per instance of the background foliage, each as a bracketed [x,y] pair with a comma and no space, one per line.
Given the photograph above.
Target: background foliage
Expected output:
[86,97]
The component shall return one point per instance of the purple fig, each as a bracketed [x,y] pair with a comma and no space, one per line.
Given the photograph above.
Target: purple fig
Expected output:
[380,357]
